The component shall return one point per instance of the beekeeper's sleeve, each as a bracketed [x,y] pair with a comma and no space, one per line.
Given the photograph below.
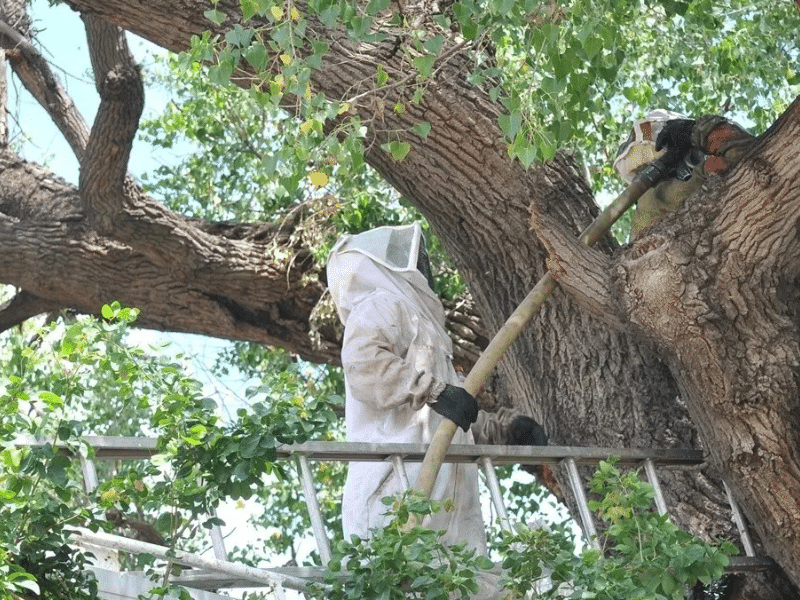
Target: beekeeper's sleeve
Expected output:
[389,355]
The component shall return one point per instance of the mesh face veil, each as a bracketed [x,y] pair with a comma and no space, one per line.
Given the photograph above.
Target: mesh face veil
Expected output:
[396,248]
[424,263]
[388,258]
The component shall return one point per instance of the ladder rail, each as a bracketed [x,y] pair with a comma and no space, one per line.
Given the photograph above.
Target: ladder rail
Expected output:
[738,518]
[652,478]
[587,518]
[400,470]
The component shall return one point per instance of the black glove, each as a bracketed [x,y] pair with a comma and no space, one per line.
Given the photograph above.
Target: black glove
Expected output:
[458,405]
[677,137]
[525,431]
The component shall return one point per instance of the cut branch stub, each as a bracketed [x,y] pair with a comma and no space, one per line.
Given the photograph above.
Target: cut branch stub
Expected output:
[581,271]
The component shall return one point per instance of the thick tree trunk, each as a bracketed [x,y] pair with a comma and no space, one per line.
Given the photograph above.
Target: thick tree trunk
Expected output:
[715,291]
[586,382]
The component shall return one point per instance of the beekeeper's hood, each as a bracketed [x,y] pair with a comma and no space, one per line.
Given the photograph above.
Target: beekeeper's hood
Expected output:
[385,258]
[640,147]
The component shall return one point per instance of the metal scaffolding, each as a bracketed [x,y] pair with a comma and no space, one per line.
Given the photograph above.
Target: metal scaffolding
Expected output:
[201,574]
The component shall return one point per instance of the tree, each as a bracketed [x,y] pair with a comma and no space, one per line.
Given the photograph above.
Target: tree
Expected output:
[688,338]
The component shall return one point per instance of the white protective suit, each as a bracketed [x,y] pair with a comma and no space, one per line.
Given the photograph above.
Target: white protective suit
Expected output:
[397,358]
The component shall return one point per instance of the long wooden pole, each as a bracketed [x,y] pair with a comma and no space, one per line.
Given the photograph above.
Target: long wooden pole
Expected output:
[514,325]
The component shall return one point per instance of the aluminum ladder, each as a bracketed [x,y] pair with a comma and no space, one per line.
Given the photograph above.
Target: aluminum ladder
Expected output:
[206,573]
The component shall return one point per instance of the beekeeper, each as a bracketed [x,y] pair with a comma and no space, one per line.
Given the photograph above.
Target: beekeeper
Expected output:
[400,381]
[689,151]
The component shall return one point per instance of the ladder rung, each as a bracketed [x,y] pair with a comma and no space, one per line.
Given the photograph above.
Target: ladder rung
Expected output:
[580,497]
[314,513]
[494,490]
[652,477]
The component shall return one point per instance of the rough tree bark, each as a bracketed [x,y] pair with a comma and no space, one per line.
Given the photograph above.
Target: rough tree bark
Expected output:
[719,302]
[600,368]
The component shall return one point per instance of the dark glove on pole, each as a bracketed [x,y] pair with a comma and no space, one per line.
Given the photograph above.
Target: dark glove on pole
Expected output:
[525,431]
[458,405]
[677,137]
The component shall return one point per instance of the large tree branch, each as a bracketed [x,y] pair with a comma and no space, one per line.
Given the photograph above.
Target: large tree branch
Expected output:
[116,205]
[704,285]
[119,84]
[23,306]
[582,272]
[47,249]
[761,223]
[35,74]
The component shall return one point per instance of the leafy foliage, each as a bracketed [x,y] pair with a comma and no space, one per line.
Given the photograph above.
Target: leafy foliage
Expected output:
[401,562]
[202,460]
[42,387]
[646,556]
[245,159]
[571,76]
[60,373]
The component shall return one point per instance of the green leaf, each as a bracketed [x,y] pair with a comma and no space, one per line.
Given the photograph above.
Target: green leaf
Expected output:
[381,77]
[668,583]
[523,150]
[334,565]
[52,400]
[221,74]
[470,30]
[434,44]
[256,55]
[248,448]
[422,129]
[397,149]
[501,7]
[27,584]
[249,9]
[239,36]
[330,15]
[510,123]
[424,64]
[57,469]
[215,16]
[592,46]
[376,6]
[359,27]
